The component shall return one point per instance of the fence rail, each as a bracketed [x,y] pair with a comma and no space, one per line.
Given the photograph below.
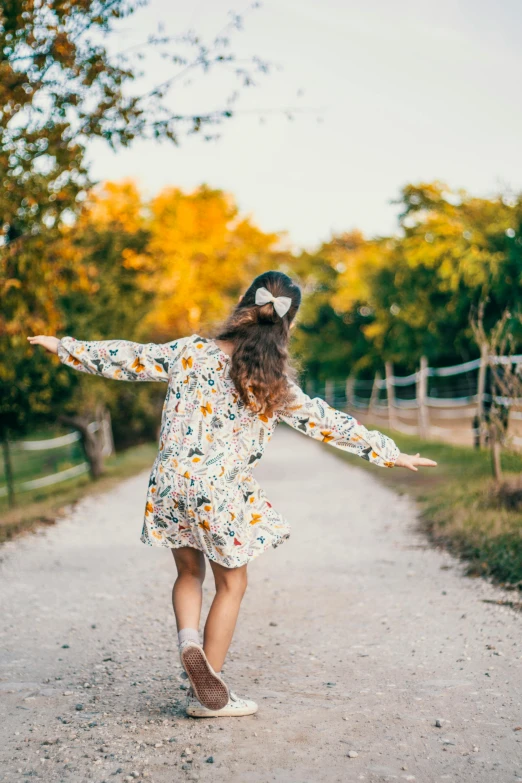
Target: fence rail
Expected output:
[50,444]
[52,478]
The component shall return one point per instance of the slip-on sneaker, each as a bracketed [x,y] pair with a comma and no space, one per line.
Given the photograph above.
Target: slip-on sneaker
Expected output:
[209,688]
[235,708]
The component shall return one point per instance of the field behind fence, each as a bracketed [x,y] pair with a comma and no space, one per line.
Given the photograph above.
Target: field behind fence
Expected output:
[445,403]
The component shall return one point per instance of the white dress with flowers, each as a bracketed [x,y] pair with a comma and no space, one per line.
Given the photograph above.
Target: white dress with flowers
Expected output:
[201,490]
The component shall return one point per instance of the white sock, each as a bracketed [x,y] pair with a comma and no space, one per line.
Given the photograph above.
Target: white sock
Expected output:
[189,635]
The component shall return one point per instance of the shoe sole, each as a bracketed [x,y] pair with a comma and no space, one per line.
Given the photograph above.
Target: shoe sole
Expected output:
[209,689]
[194,712]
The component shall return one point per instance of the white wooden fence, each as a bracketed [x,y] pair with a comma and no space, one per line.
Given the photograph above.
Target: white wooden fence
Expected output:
[52,478]
[56,443]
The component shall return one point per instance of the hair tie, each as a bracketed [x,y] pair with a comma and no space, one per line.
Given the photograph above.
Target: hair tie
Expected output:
[281,303]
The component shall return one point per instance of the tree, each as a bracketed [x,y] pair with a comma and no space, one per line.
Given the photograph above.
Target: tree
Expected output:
[329,338]
[59,88]
[451,253]
[201,255]
[402,297]
[105,299]
[499,344]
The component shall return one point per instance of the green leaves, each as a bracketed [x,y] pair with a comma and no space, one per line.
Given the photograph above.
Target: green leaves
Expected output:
[410,295]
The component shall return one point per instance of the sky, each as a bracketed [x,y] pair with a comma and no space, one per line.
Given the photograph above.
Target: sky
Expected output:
[388,92]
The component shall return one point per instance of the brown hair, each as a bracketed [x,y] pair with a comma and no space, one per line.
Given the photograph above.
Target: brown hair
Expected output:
[260,365]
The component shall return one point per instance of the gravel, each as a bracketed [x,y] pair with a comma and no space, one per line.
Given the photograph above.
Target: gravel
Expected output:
[353,634]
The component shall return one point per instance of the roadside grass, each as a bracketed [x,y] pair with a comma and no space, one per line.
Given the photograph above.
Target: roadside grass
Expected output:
[43,506]
[461,507]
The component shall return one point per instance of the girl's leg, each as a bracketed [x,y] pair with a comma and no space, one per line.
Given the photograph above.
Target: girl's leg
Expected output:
[231,584]
[187,592]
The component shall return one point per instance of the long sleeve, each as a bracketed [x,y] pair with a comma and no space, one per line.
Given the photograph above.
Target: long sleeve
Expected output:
[120,359]
[315,418]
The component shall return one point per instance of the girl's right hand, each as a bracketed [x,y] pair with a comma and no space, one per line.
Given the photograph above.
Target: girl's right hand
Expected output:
[49,343]
[414,462]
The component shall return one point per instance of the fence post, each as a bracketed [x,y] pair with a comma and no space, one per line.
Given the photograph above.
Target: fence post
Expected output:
[390,393]
[481,389]
[350,382]
[329,391]
[422,393]
[375,393]
[106,433]
[8,469]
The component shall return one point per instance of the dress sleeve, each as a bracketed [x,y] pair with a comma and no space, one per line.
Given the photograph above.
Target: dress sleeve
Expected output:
[121,360]
[315,418]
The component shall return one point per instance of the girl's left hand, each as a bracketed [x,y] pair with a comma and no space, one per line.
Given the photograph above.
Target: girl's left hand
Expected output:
[414,462]
[49,343]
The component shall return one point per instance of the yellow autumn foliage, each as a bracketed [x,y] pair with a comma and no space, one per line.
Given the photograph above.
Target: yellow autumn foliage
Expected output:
[198,254]
[203,254]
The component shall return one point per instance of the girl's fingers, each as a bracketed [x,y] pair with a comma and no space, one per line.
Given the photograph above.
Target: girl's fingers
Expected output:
[412,461]
[49,343]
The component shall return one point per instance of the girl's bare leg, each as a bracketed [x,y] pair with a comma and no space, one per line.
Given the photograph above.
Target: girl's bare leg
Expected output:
[187,593]
[231,584]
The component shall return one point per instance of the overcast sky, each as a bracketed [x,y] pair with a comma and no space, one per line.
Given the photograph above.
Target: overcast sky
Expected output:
[405,91]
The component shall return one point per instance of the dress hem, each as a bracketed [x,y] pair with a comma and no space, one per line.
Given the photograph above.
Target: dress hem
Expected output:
[274,544]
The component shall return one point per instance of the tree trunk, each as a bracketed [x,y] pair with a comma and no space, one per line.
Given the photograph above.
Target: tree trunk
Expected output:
[481,388]
[107,436]
[92,442]
[8,468]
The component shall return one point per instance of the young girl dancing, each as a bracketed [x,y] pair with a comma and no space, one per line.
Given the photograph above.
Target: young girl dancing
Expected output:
[224,398]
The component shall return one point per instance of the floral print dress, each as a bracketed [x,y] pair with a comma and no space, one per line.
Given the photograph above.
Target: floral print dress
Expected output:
[201,490]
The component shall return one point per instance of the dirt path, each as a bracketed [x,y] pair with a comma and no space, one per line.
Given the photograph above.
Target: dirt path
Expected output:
[354,637]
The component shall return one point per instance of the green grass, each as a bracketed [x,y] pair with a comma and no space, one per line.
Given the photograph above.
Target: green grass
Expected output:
[44,505]
[461,507]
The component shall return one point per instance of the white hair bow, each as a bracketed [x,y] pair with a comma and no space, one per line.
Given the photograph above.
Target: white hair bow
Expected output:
[281,303]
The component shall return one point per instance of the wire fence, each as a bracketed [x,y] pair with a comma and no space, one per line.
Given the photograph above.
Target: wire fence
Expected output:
[446,403]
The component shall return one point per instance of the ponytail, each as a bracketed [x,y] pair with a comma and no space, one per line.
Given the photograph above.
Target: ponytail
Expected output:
[260,364]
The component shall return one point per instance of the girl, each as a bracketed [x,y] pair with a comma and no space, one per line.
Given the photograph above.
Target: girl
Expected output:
[225,397]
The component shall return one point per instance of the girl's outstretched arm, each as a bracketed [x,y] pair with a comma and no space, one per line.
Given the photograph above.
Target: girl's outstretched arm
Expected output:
[315,418]
[117,359]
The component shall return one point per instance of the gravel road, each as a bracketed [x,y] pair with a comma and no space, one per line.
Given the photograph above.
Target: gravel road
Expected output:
[371,656]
